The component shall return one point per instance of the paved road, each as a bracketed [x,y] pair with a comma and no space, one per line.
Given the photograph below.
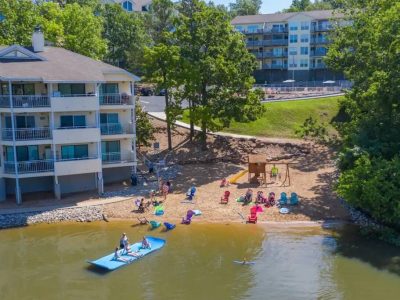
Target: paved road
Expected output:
[155,103]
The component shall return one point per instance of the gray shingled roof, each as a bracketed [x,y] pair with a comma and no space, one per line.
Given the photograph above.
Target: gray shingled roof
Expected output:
[59,65]
[282,17]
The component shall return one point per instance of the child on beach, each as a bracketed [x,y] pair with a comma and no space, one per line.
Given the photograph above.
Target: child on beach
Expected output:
[224,182]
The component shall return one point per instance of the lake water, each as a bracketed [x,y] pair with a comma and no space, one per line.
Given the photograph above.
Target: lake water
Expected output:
[49,262]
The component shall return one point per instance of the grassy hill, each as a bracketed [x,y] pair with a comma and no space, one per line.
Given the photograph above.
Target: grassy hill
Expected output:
[281,119]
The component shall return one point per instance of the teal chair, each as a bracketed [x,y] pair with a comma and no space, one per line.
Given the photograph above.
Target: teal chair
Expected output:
[283,200]
[294,199]
[154,224]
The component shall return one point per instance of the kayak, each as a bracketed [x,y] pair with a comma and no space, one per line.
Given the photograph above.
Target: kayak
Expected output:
[108,262]
[244,262]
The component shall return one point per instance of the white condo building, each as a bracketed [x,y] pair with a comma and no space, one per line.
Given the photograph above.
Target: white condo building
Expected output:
[67,121]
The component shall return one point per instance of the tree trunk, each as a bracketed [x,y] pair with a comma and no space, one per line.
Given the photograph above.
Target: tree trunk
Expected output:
[203,137]
[168,120]
[191,134]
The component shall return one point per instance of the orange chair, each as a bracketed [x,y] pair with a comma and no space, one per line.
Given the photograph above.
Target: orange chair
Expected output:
[253,215]
[225,197]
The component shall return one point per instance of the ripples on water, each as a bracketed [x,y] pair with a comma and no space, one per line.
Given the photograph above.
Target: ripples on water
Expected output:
[48,262]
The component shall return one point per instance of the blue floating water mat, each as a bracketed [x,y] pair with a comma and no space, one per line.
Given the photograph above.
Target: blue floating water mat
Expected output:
[108,262]
[244,262]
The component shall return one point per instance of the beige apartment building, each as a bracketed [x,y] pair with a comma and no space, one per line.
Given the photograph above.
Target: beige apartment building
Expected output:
[67,121]
[290,45]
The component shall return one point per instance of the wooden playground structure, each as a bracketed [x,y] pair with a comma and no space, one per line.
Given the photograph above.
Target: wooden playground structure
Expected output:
[259,168]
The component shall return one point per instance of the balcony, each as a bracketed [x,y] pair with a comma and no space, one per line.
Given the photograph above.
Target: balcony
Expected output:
[318,53]
[254,43]
[25,101]
[281,42]
[319,41]
[115,128]
[116,159]
[28,167]
[321,28]
[78,134]
[78,165]
[274,66]
[83,102]
[26,134]
[116,99]
[319,66]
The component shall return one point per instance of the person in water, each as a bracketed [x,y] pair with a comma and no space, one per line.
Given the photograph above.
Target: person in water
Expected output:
[123,241]
[145,243]
[118,257]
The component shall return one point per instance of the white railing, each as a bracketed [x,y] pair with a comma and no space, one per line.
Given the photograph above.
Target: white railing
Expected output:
[77,158]
[77,127]
[25,101]
[34,166]
[26,134]
[115,99]
[74,95]
[115,157]
[115,128]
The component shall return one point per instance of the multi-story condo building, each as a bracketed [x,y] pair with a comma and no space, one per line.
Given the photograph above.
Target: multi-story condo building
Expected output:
[289,45]
[132,5]
[66,121]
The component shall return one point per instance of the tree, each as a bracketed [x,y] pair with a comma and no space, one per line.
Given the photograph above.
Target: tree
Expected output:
[306,5]
[125,36]
[160,61]
[216,69]
[298,5]
[367,50]
[20,18]
[144,128]
[245,7]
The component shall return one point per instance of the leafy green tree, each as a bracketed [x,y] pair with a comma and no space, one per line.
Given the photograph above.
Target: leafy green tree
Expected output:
[144,128]
[125,36]
[82,31]
[20,18]
[367,50]
[298,5]
[215,68]
[245,7]
[306,5]
[160,60]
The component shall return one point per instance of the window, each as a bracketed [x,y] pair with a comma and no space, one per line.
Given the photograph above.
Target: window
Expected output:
[293,26]
[293,63]
[277,51]
[24,153]
[278,28]
[292,51]
[109,118]
[68,89]
[23,89]
[252,28]
[21,122]
[109,88]
[74,152]
[305,25]
[303,63]
[304,38]
[293,38]
[111,151]
[127,5]
[78,121]
[304,50]
[2,17]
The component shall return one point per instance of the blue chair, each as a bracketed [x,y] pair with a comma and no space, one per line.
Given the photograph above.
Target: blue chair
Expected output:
[191,193]
[169,226]
[154,224]
[294,199]
[283,200]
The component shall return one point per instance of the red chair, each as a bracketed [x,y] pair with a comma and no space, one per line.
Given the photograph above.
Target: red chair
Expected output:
[253,215]
[225,197]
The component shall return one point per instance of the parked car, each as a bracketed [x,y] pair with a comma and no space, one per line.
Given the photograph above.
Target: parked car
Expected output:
[161,92]
[146,91]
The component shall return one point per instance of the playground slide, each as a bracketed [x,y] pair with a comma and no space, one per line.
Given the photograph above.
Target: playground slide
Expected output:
[237,176]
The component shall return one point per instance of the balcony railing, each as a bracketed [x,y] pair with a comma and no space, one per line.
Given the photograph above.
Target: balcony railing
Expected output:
[115,157]
[25,167]
[77,158]
[26,134]
[319,41]
[115,128]
[77,127]
[25,101]
[253,43]
[321,28]
[275,42]
[274,66]
[319,66]
[115,99]
[318,53]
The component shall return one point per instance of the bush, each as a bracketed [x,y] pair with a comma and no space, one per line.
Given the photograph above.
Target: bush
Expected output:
[373,185]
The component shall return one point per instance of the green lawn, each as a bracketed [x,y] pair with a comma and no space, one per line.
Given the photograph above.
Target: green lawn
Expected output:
[281,119]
